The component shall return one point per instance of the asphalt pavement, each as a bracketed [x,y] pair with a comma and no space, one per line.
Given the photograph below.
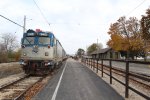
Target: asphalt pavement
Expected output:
[75,81]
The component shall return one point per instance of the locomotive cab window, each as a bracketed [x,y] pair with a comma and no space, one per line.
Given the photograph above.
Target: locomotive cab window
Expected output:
[44,40]
[28,40]
[31,34]
[43,34]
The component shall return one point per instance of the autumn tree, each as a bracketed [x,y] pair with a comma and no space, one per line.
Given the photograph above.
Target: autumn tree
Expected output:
[126,36]
[93,47]
[17,54]
[145,25]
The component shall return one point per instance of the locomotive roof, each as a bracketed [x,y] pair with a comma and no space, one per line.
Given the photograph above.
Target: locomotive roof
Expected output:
[32,31]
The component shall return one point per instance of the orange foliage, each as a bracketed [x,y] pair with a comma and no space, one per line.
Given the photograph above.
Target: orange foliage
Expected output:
[125,35]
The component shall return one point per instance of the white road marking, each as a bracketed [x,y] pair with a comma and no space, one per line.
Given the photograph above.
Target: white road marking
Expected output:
[56,89]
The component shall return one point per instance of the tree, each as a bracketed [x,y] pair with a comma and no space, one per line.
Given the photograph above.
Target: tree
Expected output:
[3,56]
[9,44]
[93,48]
[80,52]
[145,25]
[126,36]
[9,41]
[17,54]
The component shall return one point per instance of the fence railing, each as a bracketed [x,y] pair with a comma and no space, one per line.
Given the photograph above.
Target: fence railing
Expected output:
[125,73]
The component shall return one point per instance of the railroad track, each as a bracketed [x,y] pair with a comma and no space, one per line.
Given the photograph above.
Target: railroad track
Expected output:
[121,72]
[131,78]
[15,90]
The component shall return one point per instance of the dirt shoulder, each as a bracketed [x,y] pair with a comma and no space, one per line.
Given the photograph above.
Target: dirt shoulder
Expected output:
[7,69]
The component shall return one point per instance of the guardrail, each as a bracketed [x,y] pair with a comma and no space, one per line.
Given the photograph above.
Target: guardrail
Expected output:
[126,73]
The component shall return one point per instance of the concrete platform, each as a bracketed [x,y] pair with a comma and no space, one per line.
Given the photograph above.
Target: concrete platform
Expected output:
[76,82]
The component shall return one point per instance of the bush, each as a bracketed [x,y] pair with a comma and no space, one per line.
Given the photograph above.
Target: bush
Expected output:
[3,57]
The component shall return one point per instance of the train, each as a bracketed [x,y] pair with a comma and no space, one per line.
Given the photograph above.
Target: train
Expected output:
[41,52]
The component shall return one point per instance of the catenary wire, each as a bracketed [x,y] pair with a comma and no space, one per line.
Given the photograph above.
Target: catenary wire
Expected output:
[136,7]
[41,13]
[11,21]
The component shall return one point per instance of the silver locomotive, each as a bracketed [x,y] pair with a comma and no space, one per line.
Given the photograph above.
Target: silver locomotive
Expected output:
[41,52]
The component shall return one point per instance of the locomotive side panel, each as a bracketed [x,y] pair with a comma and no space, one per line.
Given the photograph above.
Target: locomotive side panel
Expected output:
[58,51]
[63,54]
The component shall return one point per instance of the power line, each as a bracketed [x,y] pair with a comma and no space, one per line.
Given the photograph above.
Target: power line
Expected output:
[41,13]
[136,7]
[11,21]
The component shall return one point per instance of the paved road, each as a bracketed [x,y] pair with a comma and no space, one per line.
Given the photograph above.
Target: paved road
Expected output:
[76,82]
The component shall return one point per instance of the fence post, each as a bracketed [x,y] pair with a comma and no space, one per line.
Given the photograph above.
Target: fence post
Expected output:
[88,61]
[102,67]
[97,65]
[127,80]
[93,64]
[110,64]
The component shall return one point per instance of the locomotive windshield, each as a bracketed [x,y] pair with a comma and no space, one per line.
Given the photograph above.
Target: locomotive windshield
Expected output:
[44,40]
[28,40]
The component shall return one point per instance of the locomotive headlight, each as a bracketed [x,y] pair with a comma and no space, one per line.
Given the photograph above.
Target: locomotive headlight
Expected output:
[24,54]
[46,54]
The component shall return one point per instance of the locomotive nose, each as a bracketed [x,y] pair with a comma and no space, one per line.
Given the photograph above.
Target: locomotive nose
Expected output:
[35,48]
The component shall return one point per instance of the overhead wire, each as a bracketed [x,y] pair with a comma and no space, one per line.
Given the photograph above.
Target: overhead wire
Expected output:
[54,23]
[60,23]
[11,21]
[41,13]
[136,7]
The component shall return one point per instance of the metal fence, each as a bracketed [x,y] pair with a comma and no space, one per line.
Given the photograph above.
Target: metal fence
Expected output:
[94,63]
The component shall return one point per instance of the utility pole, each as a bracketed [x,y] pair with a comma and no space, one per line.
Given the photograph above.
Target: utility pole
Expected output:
[97,48]
[24,25]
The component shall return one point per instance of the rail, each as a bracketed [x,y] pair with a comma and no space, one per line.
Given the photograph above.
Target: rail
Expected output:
[21,96]
[13,82]
[129,75]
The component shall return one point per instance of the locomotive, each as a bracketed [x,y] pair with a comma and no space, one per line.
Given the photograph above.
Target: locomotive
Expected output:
[41,52]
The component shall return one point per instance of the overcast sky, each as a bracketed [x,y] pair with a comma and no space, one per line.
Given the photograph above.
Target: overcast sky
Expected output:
[76,23]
